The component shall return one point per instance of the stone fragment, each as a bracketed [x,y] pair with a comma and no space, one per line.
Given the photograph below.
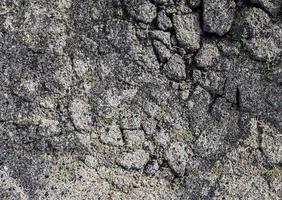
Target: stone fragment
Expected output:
[188,31]
[218,16]
[164,22]
[175,68]
[112,135]
[162,51]
[271,6]
[250,22]
[143,11]
[131,119]
[228,48]
[199,105]
[271,143]
[134,138]
[162,139]
[161,36]
[207,56]
[152,167]
[48,127]
[91,161]
[194,3]
[177,157]
[149,126]
[80,114]
[263,49]
[134,160]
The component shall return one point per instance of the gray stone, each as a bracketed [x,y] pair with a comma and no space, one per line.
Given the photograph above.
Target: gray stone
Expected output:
[135,160]
[143,11]
[111,135]
[164,22]
[130,99]
[218,16]
[250,22]
[207,56]
[162,139]
[131,119]
[175,68]
[177,158]
[162,51]
[228,48]
[188,31]
[271,6]
[80,114]
[194,3]
[263,49]
[134,138]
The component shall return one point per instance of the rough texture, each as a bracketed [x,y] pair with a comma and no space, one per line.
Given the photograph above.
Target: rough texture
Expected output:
[188,31]
[140,99]
[218,16]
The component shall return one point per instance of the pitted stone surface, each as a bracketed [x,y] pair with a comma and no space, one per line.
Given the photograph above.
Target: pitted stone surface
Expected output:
[140,99]
[218,16]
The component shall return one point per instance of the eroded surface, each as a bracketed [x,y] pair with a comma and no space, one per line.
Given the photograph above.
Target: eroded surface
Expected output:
[139,99]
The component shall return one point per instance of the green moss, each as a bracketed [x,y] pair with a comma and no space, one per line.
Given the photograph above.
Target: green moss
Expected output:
[244,40]
[161,113]
[273,172]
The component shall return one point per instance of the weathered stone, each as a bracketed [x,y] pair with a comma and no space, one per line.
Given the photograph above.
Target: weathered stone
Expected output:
[177,158]
[80,114]
[143,11]
[194,3]
[135,160]
[134,138]
[188,31]
[162,139]
[218,16]
[228,48]
[162,51]
[130,99]
[263,49]
[271,6]
[250,22]
[207,56]
[164,22]
[175,68]
[112,135]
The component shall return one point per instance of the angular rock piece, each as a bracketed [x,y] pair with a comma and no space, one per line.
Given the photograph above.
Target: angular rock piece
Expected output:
[271,143]
[162,139]
[250,22]
[134,138]
[188,31]
[175,68]
[144,11]
[194,3]
[228,48]
[135,160]
[131,119]
[207,56]
[263,49]
[112,136]
[271,6]
[80,114]
[177,158]
[218,16]
[164,22]
[162,51]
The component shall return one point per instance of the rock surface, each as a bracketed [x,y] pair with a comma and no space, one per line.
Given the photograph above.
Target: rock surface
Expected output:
[140,99]
[218,15]
[188,31]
